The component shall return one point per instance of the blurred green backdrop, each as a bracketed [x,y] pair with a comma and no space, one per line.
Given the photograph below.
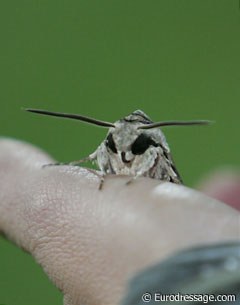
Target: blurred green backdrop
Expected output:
[173,59]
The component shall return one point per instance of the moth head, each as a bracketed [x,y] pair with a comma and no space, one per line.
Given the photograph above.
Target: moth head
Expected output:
[137,116]
[131,147]
[134,134]
[129,137]
[126,140]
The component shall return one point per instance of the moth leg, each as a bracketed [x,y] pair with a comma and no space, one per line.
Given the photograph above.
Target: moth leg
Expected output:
[91,157]
[100,186]
[99,175]
[54,164]
[132,179]
[74,163]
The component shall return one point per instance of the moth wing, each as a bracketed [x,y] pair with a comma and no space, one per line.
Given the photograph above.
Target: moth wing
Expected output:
[171,168]
[164,167]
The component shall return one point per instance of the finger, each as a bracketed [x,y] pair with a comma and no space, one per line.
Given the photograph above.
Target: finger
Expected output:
[91,242]
[223,185]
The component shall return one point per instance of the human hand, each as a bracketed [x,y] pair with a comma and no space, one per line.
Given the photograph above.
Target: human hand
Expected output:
[91,242]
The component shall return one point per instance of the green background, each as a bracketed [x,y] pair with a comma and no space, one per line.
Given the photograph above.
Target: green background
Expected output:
[172,59]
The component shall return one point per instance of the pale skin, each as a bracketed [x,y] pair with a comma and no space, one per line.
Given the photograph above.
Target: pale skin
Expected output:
[91,241]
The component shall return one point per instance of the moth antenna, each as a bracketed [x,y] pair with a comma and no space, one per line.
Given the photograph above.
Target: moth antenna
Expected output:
[175,123]
[72,116]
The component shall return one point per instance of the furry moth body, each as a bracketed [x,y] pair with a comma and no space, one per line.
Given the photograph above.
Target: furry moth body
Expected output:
[134,146]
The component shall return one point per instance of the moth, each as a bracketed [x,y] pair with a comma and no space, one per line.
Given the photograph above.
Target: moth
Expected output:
[134,146]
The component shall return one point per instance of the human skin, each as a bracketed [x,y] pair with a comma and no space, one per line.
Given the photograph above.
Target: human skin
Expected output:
[224,185]
[90,242]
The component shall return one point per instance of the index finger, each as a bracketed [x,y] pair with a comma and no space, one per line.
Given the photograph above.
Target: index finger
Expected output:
[91,242]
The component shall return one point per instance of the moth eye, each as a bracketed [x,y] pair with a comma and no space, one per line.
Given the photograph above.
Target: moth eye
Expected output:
[141,144]
[111,144]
